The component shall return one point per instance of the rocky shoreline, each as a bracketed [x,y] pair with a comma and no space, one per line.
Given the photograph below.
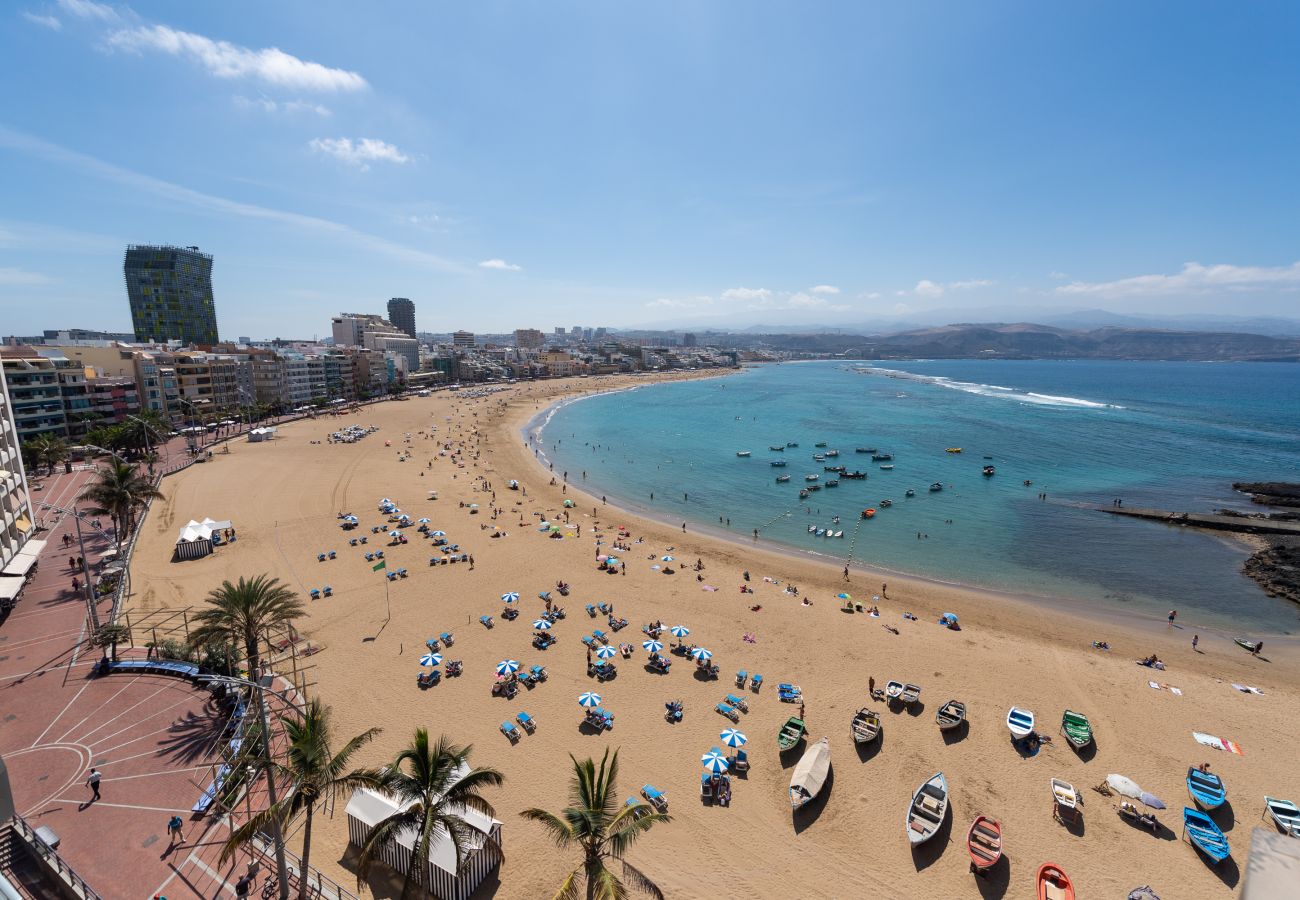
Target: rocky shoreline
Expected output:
[1276,567]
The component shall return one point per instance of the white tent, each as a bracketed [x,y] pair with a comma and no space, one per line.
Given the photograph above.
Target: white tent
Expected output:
[368,808]
[25,558]
[261,434]
[195,539]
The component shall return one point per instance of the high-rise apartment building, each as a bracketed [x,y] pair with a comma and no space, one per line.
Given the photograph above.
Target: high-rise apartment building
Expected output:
[529,338]
[401,312]
[16,525]
[170,291]
[462,339]
[35,394]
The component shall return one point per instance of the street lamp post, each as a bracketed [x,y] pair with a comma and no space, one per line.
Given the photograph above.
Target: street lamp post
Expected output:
[148,445]
[263,686]
[91,606]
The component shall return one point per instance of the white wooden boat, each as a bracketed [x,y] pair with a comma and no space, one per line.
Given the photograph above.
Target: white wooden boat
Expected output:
[1020,722]
[865,726]
[810,773]
[1066,799]
[893,689]
[926,811]
[1285,813]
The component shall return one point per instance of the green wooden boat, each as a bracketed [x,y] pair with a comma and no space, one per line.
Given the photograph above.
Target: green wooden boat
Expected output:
[1076,728]
[792,732]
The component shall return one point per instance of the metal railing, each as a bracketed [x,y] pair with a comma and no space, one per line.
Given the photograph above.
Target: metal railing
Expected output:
[51,859]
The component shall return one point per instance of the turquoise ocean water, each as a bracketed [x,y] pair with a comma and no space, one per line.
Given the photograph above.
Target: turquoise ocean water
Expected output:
[1169,435]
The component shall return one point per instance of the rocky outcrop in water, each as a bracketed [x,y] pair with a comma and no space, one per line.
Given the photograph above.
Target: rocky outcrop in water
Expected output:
[1276,569]
[1270,493]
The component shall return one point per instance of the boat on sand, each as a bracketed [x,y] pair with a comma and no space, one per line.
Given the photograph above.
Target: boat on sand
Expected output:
[1285,813]
[1065,799]
[1020,722]
[909,694]
[1206,835]
[951,715]
[984,843]
[810,773]
[791,733]
[1076,728]
[1206,788]
[1053,884]
[926,812]
[865,726]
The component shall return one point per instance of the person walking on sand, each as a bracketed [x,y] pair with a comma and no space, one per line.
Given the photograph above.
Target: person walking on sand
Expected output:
[92,782]
[846,572]
[1196,639]
[174,833]
[1259,645]
[884,590]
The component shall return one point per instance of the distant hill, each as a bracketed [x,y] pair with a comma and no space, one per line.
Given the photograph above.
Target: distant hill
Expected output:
[1030,341]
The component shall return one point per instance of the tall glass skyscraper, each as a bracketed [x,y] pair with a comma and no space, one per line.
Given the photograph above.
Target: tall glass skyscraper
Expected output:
[401,312]
[170,290]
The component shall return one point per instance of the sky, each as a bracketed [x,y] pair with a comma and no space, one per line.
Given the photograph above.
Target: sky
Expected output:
[679,164]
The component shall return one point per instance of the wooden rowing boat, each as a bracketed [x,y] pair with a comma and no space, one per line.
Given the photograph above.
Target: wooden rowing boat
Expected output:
[791,733]
[1285,813]
[1076,728]
[865,726]
[984,843]
[926,811]
[951,715]
[910,694]
[810,773]
[1206,788]
[1066,800]
[1206,835]
[1053,884]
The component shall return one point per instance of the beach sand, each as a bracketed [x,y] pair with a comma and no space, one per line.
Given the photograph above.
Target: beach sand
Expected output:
[283,497]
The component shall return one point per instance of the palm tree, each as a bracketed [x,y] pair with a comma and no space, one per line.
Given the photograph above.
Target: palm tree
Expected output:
[46,450]
[243,613]
[438,784]
[118,493]
[315,773]
[604,829]
[110,636]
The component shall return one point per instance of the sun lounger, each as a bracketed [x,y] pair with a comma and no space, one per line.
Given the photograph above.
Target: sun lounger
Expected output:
[738,702]
[333,555]
[527,722]
[486,621]
[455,667]
[327,591]
[655,797]
[706,787]
[588,641]
[320,557]
[591,610]
[447,638]
[314,593]
[510,731]
[756,682]
[739,762]
[727,711]
[741,677]
[428,679]
[603,607]
[537,672]
[600,636]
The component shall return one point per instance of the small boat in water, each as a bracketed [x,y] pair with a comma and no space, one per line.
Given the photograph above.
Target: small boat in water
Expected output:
[742,453]
[1206,788]
[834,482]
[910,493]
[936,487]
[782,479]
[810,773]
[869,513]
[989,471]
[884,503]
[865,726]
[950,715]
[1206,835]
[832,468]
[887,466]
[881,457]
[856,475]
[793,444]
[811,477]
[864,449]
[953,450]
[779,448]
[984,843]
[832,453]
[926,812]
[820,444]
[777,462]
[819,457]
[1053,884]
[803,493]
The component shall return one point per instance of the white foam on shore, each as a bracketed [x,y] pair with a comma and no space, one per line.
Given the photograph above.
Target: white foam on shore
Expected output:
[988,390]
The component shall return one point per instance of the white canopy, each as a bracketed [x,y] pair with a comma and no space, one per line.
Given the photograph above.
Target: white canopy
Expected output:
[9,587]
[24,559]
[201,531]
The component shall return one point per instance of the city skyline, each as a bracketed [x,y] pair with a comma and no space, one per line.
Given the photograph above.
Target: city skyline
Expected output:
[868,164]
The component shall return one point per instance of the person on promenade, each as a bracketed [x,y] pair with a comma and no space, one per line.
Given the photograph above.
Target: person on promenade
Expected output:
[175,834]
[92,782]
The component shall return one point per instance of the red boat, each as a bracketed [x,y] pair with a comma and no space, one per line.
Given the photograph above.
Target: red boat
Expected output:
[1053,884]
[984,844]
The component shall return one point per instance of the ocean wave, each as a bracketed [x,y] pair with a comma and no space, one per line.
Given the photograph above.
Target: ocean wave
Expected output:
[989,390]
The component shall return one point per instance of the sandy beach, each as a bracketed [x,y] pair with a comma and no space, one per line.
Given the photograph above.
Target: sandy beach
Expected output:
[284,497]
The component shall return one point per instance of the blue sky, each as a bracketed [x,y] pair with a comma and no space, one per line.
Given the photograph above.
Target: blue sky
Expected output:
[538,164]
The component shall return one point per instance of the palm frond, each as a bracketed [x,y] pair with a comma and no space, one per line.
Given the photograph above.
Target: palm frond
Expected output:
[561,832]
[641,881]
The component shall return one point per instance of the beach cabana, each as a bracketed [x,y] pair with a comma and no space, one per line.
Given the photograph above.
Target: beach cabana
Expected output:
[264,433]
[368,808]
[195,538]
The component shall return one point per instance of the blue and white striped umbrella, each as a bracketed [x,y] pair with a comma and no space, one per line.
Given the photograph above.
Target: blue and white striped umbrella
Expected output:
[424,521]
[438,533]
[542,624]
[733,738]
[606,652]
[653,646]
[510,596]
[701,653]
[714,762]
[589,699]
[430,659]
[679,631]
[394,534]
[508,667]
[385,501]
[667,558]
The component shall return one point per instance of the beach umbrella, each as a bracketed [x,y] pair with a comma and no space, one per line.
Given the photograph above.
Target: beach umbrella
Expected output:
[1151,800]
[430,659]
[602,558]
[1122,785]
[653,646]
[701,653]
[589,699]
[733,738]
[349,518]
[385,501]
[606,652]
[438,533]
[423,521]
[394,534]
[544,526]
[845,596]
[568,504]
[507,667]
[473,506]
[542,624]
[510,596]
[395,511]
[679,631]
[667,558]
[714,762]
[612,559]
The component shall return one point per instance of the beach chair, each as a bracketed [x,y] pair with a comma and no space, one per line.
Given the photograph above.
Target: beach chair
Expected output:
[655,797]
[314,593]
[320,557]
[675,709]
[706,788]
[509,613]
[333,555]
[455,667]
[510,731]
[370,557]
[537,672]
[755,683]
[392,576]
[428,679]
[603,607]
[591,610]
[447,638]
[659,663]
[352,543]
[739,762]
[741,677]
[365,540]
[588,641]
[486,621]
[727,711]
[379,554]
[738,702]
[327,591]
[401,572]
[600,636]
[526,722]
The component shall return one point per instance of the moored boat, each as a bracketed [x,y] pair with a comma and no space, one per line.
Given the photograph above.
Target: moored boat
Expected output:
[936,487]
[887,466]
[779,448]
[881,457]
[793,444]
[868,513]
[1206,835]
[820,444]
[814,487]
[810,773]
[865,726]
[819,457]
[950,715]
[984,843]
[832,453]
[803,494]
[989,471]
[953,450]
[777,462]
[742,453]
[791,733]
[834,482]
[910,493]
[1206,788]
[885,503]
[811,477]
[864,449]
[926,812]
[1053,884]
[855,474]
[782,479]
[1076,728]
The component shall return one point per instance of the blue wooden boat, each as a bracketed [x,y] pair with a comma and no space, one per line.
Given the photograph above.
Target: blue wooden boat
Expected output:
[1206,788]
[1205,835]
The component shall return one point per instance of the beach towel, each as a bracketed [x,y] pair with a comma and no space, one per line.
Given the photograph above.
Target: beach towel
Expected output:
[1210,740]
[1177,692]
[1247,689]
[708,587]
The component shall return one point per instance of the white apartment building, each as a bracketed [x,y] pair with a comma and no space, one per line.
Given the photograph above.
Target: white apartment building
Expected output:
[16,520]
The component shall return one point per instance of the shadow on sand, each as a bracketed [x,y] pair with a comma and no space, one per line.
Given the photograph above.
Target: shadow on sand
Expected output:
[806,815]
[927,854]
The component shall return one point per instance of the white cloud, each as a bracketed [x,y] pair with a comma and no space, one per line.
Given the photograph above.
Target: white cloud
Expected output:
[285,106]
[223,59]
[1057,276]
[824,289]
[1195,279]
[680,302]
[221,206]
[873,295]
[359,153]
[927,288]
[744,293]
[499,264]
[87,9]
[11,276]
[49,22]
[970,283]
